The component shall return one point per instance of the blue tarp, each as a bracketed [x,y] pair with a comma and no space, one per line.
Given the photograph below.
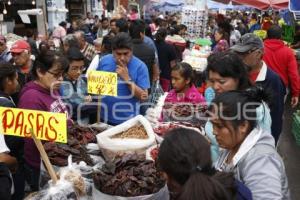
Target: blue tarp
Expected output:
[216,6]
[178,4]
[295,5]
[169,5]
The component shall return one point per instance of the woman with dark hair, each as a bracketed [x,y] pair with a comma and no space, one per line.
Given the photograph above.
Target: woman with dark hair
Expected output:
[222,40]
[166,58]
[248,150]
[184,158]
[41,94]
[226,72]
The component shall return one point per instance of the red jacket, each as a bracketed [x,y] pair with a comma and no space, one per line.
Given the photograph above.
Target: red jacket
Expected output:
[282,60]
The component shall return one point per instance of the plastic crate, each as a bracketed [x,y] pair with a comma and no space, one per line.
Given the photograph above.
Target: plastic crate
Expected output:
[296,128]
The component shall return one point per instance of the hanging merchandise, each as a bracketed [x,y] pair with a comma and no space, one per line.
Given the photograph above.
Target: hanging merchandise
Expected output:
[196,20]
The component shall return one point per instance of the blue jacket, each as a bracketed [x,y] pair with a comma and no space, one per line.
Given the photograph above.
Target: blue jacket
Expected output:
[73,93]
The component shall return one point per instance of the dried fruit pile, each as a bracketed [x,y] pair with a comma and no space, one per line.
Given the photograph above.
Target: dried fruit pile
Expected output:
[154,153]
[136,132]
[164,128]
[58,153]
[129,176]
[184,110]
[84,135]
[77,137]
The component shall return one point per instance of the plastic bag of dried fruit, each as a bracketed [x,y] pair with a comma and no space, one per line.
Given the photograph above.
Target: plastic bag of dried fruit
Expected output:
[162,194]
[132,136]
[75,182]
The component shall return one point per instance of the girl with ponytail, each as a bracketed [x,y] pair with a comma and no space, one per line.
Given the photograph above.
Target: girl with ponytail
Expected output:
[184,157]
[248,149]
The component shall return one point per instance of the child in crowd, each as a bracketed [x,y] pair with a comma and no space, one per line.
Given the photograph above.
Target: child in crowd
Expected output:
[248,150]
[184,91]
[11,148]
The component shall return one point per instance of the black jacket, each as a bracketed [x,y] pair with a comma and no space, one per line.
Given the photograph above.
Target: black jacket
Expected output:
[145,54]
[15,144]
[275,86]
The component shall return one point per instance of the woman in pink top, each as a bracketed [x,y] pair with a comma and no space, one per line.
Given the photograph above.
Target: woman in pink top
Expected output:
[184,92]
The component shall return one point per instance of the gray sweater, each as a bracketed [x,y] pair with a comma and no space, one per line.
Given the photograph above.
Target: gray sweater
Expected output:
[258,166]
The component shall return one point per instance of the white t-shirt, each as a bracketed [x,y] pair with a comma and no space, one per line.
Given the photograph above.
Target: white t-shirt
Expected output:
[3,146]
[94,64]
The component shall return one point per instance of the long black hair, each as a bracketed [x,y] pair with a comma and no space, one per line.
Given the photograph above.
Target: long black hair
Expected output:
[185,157]
[229,64]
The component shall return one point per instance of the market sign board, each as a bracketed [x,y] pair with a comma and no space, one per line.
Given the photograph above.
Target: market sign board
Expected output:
[294,5]
[45,125]
[102,83]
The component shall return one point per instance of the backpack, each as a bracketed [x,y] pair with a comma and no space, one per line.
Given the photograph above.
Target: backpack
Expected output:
[243,192]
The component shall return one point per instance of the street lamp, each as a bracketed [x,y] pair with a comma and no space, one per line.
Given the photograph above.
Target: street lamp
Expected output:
[33,2]
[9,3]
[4,9]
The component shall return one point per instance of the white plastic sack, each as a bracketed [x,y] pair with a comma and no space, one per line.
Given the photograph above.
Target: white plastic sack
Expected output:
[154,114]
[162,194]
[110,145]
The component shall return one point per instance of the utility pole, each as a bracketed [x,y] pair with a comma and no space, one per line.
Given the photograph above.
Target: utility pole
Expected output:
[42,19]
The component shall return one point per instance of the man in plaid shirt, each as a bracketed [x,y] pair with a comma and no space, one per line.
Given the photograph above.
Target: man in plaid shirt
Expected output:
[86,49]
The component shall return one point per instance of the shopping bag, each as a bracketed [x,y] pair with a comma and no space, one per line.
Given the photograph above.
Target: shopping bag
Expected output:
[156,92]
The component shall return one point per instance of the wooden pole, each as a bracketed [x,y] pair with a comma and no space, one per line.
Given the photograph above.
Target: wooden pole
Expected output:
[45,158]
[99,110]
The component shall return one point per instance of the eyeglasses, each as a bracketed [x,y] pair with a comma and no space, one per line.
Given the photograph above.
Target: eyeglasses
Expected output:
[56,75]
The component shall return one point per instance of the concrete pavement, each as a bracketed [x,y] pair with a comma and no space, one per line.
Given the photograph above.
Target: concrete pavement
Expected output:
[290,153]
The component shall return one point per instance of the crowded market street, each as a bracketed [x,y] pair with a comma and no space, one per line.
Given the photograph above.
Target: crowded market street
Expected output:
[150,100]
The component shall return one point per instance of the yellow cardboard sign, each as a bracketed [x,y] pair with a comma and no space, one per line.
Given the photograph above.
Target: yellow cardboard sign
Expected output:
[102,83]
[45,125]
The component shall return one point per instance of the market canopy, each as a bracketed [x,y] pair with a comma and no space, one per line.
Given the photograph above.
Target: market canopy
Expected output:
[213,5]
[259,4]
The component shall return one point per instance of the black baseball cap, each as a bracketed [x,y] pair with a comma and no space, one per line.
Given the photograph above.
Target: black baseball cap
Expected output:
[248,42]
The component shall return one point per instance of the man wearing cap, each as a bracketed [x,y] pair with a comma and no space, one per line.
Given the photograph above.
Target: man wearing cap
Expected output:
[5,55]
[251,50]
[21,53]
